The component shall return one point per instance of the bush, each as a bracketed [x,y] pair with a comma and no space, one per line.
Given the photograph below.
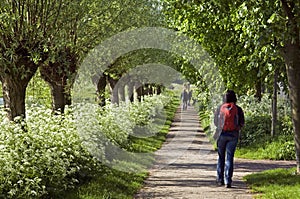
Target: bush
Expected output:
[286,151]
[45,159]
[256,131]
[256,135]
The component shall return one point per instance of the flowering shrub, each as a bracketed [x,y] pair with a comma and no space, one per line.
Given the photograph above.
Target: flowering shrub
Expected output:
[44,159]
[118,122]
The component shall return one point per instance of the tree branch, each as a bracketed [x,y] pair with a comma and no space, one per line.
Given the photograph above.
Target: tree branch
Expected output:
[288,11]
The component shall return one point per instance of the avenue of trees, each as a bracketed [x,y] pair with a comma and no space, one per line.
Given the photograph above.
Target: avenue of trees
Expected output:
[52,37]
[255,44]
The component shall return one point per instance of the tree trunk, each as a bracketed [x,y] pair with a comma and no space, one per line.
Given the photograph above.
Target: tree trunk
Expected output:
[114,90]
[101,84]
[146,89]
[57,82]
[274,104]
[150,89]
[122,93]
[131,91]
[258,90]
[68,97]
[291,52]
[14,84]
[292,60]
[60,76]
[159,89]
[139,91]
[14,97]
[58,97]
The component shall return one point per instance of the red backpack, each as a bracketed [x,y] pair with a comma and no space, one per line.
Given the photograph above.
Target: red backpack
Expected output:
[228,117]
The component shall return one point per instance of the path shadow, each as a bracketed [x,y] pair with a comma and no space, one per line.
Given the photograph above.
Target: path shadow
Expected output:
[253,166]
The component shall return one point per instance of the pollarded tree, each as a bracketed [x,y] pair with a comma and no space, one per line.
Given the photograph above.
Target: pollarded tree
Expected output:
[135,69]
[23,34]
[114,17]
[81,27]
[61,63]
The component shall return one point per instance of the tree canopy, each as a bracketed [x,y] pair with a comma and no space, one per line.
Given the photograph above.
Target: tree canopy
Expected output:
[248,40]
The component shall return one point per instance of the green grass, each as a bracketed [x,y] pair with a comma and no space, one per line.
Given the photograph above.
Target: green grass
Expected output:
[272,184]
[272,149]
[248,153]
[275,184]
[111,183]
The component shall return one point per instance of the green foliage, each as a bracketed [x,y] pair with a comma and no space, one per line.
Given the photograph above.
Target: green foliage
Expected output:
[279,148]
[257,130]
[38,92]
[243,37]
[278,183]
[256,141]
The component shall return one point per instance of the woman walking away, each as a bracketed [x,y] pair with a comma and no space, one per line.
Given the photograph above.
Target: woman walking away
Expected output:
[229,119]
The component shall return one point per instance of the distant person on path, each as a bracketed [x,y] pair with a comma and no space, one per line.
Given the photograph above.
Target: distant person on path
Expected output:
[190,97]
[184,97]
[229,119]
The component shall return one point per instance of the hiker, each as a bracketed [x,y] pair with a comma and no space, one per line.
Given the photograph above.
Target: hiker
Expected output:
[184,98]
[229,119]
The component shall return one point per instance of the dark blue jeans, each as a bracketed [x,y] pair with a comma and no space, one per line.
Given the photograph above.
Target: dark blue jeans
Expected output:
[184,105]
[227,143]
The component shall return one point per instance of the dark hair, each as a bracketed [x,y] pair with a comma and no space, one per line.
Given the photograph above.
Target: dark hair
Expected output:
[230,96]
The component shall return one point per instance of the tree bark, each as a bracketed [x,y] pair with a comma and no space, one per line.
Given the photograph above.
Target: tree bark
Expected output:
[274,104]
[159,89]
[151,90]
[130,89]
[101,85]
[146,89]
[122,93]
[291,53]
[139,91]
[292,60]
[57,83]
[58,97]
[14,84]
[60,77]
[114,90]
[258,90]
[14,97]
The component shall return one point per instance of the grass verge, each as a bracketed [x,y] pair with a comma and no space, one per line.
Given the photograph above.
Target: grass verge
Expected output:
[275,184]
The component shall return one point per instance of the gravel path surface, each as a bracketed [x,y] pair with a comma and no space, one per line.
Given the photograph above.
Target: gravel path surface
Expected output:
[186,165]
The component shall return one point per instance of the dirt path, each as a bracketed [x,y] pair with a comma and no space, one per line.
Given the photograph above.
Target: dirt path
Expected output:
[186,165]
